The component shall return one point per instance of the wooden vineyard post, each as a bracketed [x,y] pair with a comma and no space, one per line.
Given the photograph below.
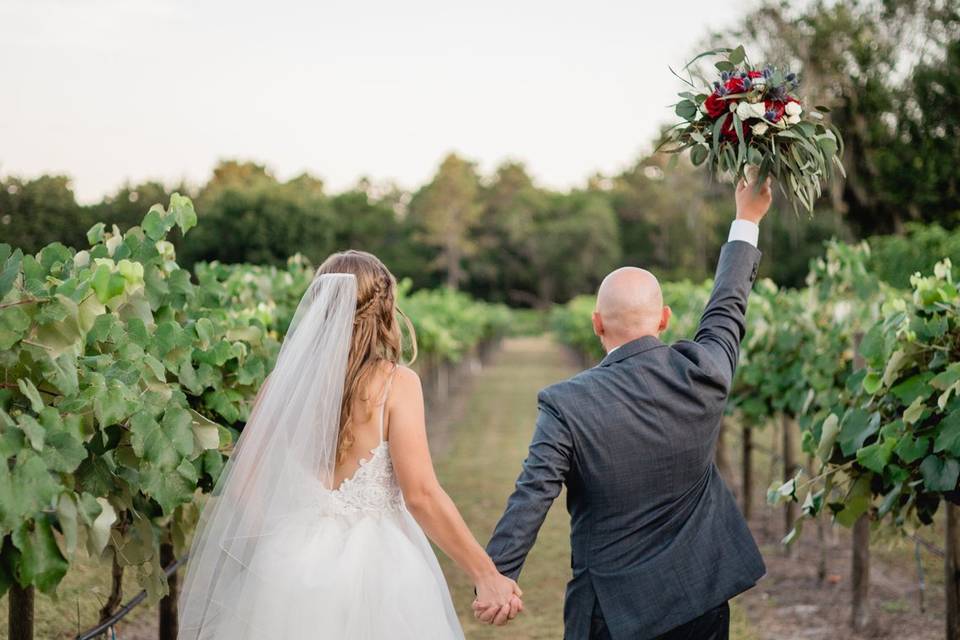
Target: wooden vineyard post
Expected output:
[20,622]
[860,615]
[952,571]
[747,472]
[789,469]
[860,565]
[168,605]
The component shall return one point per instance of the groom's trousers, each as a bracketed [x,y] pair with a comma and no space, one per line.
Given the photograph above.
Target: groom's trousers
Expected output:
[713,625]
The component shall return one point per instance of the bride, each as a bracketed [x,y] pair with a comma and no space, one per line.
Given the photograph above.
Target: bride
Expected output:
[316,527]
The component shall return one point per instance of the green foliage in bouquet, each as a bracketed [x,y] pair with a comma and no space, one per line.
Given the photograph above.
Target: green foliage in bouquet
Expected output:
[753,118]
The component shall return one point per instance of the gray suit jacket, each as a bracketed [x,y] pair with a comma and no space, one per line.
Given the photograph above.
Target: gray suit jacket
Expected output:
[656,535]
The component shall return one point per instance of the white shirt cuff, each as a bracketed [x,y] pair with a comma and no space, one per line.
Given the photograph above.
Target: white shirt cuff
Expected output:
[744,230]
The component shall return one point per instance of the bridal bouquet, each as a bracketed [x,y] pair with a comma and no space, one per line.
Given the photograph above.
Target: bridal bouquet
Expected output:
[752,117]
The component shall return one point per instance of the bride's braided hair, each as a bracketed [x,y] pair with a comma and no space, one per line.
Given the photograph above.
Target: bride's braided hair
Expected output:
[377,337]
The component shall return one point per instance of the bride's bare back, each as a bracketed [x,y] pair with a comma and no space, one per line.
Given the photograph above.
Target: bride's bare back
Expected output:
[370,407]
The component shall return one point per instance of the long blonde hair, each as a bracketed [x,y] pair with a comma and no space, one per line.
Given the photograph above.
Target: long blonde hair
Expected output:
[377,335]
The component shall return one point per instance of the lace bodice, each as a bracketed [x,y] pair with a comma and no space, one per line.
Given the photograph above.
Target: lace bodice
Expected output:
[373,486]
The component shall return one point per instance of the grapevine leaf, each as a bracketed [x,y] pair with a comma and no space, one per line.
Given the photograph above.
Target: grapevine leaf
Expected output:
[183,212]
[948,437]
[890,499]
[947,378]
[14,323]
[872,382]
[29,390]
[939,474]
[157,223]
[110,404]
[41,562]
[876,456]
[33,430]
[168,489]
[206,432]
[897,361]
[828,436]
[95,234]
[857,425]
[856,504]
[916,386]
[913,413]
[64,335]
[10,270]
[99,533]
[188,471]
[911,449]
[67,516]
[63,452]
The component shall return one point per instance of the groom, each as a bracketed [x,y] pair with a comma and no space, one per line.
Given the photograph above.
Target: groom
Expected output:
[658,542]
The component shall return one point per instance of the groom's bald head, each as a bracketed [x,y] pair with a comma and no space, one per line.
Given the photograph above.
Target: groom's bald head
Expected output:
[629,306]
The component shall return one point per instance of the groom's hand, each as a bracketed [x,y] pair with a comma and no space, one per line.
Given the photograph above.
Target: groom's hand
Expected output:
[752,202]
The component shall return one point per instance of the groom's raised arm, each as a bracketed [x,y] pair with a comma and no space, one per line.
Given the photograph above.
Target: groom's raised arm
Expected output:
[723,323]
[544,472]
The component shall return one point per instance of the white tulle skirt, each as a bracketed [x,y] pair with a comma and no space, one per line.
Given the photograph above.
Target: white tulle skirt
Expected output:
[363,576]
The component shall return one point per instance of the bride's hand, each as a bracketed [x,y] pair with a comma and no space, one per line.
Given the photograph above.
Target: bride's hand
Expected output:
[498,599]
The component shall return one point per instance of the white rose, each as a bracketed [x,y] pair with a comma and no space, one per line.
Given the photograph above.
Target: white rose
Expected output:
[793,109]
[747,110]
[760,128]
[793,119]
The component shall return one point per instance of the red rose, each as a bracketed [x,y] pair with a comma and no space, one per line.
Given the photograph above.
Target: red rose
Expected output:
[776,107]
[755,74]
[735,85]
[715,105]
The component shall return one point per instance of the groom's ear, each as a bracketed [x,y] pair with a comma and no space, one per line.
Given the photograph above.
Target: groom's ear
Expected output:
[597,325]
[665,316]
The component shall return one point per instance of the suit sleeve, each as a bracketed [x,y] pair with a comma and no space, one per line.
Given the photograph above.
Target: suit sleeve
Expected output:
[723,323]
[544,472]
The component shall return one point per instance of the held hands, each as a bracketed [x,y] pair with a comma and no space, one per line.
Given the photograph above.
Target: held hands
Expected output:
[498,600]
[752,202]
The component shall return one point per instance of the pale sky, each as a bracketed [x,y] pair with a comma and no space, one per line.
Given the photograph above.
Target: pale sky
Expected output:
[112,90]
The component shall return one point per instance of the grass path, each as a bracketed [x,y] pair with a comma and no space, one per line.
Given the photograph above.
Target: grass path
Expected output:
[488,443]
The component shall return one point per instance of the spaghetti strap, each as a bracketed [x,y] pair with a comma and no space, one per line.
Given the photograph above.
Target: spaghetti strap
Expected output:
[386,394]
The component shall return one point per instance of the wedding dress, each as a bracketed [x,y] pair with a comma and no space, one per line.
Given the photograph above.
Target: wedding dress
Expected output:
[285,554]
